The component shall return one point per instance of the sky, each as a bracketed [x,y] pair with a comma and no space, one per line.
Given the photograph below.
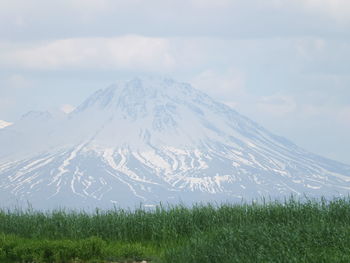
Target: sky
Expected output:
[283,63]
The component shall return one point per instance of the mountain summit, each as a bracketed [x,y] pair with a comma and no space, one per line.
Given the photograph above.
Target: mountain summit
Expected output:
[149,140]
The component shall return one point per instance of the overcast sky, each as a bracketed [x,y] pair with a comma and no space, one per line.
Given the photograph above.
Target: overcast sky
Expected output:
[283,63]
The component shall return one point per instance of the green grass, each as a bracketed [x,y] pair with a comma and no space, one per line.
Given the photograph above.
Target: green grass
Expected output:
[313,231]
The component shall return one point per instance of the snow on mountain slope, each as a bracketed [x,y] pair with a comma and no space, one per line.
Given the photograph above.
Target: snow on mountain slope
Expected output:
[4,124]
[150,140]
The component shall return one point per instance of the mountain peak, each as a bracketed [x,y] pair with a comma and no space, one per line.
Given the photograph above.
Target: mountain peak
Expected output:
[154,139]
[135,92]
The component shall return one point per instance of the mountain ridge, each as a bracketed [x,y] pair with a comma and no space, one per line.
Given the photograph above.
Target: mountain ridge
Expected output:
[149,140]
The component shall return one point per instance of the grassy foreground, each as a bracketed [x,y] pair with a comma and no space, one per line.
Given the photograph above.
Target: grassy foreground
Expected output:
[313,231]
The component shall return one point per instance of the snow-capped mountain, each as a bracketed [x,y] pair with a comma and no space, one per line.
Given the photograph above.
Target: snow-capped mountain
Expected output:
[154,140]
[4,124]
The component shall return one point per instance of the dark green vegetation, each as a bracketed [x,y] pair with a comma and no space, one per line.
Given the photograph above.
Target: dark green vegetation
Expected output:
[313,231]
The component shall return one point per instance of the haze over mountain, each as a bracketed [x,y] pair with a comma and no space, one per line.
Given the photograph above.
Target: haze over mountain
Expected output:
[151,140]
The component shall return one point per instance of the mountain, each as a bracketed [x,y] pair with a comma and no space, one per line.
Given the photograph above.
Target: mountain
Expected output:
[4,124]
[151,140]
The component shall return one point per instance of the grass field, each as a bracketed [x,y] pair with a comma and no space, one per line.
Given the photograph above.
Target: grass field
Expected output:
[313,231]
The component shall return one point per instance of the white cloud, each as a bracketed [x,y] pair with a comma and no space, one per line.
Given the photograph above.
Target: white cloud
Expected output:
[127,52]
[309,110]
[224,84]
[17,81]
[6,103]
[224,18]
[306,47]
[92,5]
[212,3]
[344,116]
[338,9]
[277,105]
